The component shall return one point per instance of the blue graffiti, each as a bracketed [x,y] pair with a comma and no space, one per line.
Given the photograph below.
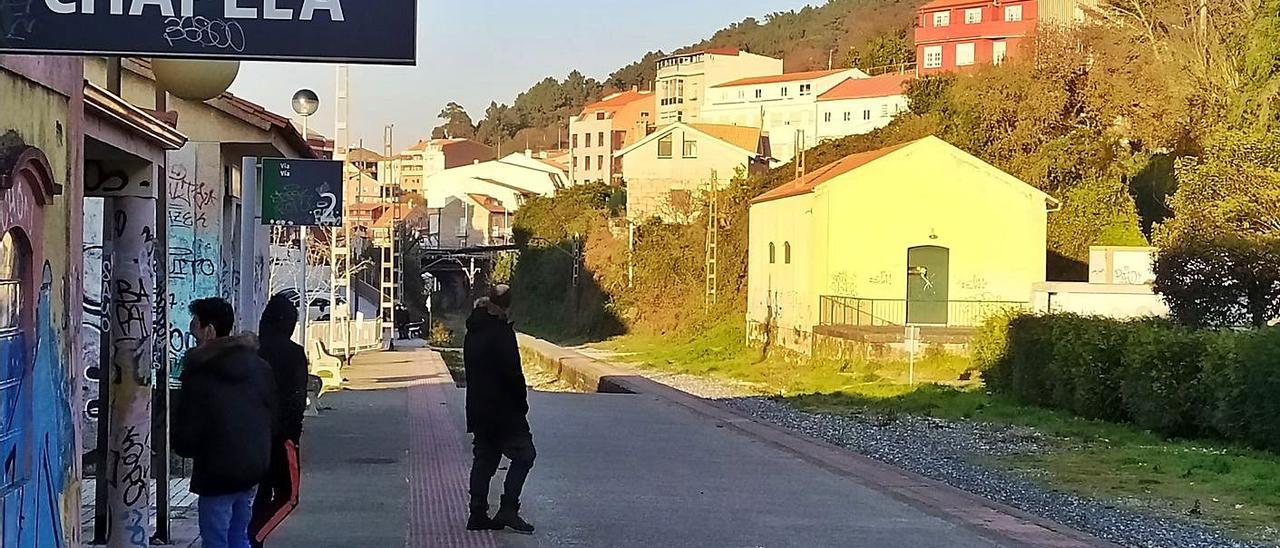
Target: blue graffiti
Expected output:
[40,434]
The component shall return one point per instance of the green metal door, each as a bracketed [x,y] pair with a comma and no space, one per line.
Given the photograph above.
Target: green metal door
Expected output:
[927,270]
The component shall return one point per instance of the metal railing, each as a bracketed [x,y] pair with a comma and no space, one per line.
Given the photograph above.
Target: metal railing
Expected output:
[855,311]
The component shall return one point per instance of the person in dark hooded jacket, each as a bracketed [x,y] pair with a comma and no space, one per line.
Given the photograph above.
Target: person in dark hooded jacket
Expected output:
[278,495]
[497,409]
[224,421]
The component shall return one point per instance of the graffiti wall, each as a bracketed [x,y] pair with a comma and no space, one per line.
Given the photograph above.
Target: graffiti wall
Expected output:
[39,474]
[93,323]
[195,239]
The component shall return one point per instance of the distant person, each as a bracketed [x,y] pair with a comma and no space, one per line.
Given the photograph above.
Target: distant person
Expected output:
[497,412]
[224,422]
[402,322]
[278,495]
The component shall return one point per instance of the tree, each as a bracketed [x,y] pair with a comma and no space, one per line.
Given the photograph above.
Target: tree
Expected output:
[891,48]
[1232,190]
[457,123]
[1221,281]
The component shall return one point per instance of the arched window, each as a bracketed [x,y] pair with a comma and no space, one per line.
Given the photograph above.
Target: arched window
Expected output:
[786,252]
[772,254]
[15,352]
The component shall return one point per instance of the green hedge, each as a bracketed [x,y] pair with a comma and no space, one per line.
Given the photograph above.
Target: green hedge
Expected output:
[1158,375]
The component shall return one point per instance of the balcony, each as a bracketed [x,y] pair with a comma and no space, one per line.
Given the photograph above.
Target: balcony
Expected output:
[859,312]
[958,30]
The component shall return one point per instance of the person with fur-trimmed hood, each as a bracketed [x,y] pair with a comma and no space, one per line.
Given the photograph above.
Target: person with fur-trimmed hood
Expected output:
[497,411]
[224,420]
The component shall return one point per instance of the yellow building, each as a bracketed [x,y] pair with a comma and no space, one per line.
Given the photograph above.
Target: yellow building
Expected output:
[917,234]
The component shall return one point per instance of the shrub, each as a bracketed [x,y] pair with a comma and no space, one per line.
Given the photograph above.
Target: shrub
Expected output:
[1161,385]
[991,339]
[1168,378]
[441,336]
[1226,281]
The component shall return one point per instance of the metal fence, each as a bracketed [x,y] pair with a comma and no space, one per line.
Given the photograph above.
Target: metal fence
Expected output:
[856,311]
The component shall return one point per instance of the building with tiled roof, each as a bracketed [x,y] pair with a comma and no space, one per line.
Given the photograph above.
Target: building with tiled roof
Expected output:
[668,172]
[921,233]
[858,106]
[428,157]
[605,127]
[783,105]
[955,35]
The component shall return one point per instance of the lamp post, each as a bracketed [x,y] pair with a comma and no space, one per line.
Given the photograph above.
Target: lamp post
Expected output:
[305,104]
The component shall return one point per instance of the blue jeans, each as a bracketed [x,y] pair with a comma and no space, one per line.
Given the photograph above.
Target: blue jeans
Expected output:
[224,520]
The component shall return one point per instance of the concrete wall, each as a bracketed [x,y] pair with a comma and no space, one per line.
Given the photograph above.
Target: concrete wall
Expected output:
[650,180]
[43,107]
[780,291]
[1109,300]
[848,115]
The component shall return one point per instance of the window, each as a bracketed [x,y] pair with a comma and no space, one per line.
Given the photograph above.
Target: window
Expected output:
[575,162]
[772,254]
[599,115]
[664,146]
[690,148]
[884,110]
[848,116]
[866,114]
[575,140]
[784,91]
[972,16]
[759,94]
[12,260]
[826,117]
[941,18]
[933,57]
[600,137]
[999,50]
[600,162]
[806,89]
[786,252]
[588,164]
[964,54]
[588,140]
[1013,13]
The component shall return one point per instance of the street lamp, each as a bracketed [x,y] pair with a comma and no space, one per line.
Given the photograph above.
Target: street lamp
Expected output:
[305,103]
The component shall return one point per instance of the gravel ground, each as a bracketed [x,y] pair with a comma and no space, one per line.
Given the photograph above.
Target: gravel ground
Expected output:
[953,452]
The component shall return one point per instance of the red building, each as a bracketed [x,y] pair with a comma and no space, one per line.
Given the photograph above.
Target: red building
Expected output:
[954,34]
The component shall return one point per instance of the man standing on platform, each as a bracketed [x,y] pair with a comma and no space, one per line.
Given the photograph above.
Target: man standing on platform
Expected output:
[497,412]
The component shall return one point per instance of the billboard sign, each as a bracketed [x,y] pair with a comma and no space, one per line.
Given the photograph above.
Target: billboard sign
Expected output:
[368,31]
[301,192]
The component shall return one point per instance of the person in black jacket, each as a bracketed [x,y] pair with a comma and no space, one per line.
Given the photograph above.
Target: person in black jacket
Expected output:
[497,409]
[278,495]
[224,421]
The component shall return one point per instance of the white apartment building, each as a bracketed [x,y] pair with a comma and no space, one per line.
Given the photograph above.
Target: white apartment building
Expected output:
[783,105]
[683,80]
[429,157]
[861,105]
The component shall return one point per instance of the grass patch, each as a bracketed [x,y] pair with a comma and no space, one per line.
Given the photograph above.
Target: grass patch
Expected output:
[1237,488]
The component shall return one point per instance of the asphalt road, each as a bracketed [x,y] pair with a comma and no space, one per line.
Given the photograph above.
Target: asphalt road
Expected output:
[612,471]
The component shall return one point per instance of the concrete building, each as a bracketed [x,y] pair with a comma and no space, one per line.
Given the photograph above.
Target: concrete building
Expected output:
[605,127]
[858,106]
[783,105]
[429,157]
[470,220]
[683,80]
[957,34]
[667,172]
[917,234]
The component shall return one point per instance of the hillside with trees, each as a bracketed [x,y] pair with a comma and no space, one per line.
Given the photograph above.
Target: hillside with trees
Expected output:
[842,33]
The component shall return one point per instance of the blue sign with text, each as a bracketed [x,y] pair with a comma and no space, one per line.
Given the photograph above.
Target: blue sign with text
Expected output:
[357,31]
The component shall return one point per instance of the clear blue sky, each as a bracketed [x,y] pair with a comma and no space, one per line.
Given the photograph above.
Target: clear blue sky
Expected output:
[475,51]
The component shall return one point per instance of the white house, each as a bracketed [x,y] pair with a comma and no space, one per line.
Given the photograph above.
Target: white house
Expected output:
[861,105]
[783,105]
[667,173]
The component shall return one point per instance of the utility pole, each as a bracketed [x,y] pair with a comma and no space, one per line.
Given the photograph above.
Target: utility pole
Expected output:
[713,240]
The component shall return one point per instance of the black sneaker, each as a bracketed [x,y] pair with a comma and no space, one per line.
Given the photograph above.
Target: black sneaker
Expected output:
[509,516]
[480,521]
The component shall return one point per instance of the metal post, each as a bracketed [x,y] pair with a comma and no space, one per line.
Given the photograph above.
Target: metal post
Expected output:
[304,299]
[101,498]
[249,212]
[132,328]
[160,358]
